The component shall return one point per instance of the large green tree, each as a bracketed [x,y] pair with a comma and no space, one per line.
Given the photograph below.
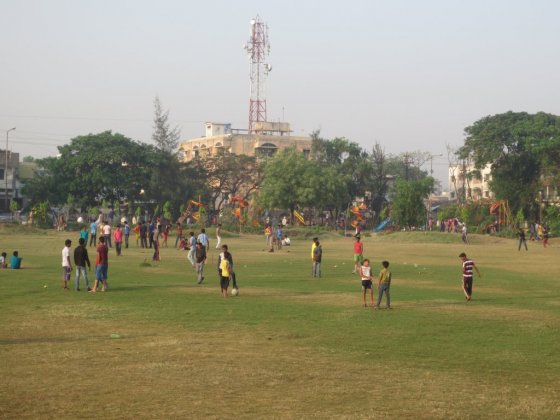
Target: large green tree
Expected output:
[112,168]
[408,201]
[522,148]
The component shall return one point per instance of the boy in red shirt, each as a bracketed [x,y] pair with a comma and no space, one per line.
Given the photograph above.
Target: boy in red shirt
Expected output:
[358,254]
[101,266]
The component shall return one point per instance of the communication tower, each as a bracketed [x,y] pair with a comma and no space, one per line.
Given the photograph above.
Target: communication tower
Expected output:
[258,49]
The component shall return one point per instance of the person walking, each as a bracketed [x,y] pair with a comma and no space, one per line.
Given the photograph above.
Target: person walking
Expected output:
[468,266]
[107,234]
[464,234]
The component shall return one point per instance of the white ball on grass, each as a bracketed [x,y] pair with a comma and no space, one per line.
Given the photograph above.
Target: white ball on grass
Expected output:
[235,292]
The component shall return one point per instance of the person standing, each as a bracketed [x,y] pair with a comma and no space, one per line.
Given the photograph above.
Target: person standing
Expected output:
[81,258]
[367,278]
[84,233]
[227,255]
[118,240]
[317,257]
[464,234]
[219,236]
[468,266]
[143,235]
[192,249]
[93,233]
[200,258]
[224,270]
[522,241]
[66,264]
[279,237]
[384,285]
[358,254]
[136,230]
[101,266]
[107,234]
[151,228]
[126,233]
[179,234]
[545,236]
[313,245]
[203,239]
[155,243]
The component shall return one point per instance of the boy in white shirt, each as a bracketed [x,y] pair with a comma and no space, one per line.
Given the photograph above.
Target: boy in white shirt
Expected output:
[66,264]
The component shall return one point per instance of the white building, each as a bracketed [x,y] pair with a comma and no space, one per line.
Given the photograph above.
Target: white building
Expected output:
[470,183]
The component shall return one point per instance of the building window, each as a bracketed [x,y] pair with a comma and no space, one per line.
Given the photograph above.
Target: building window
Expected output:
[267,149]
[2,173]
[306,153]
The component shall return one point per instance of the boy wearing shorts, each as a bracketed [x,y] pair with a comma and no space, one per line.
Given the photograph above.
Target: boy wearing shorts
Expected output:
[66,264]
[365,274]
[358,254]
[101,266]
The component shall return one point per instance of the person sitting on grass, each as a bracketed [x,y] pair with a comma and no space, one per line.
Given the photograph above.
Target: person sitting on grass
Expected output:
[15,261]
[384,285]
[4,260]
[365,274]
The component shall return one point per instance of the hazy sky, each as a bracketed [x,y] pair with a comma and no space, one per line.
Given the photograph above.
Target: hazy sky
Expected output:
[408,74]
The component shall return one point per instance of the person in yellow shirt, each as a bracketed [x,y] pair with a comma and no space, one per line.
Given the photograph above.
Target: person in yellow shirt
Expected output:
[224,276]
[315,240]
[384,285]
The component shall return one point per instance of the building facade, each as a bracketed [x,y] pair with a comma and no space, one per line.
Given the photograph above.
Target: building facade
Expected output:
[269,138]
[469,183]
[9,168]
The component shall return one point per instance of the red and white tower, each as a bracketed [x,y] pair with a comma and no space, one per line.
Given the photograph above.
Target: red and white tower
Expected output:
[258,49]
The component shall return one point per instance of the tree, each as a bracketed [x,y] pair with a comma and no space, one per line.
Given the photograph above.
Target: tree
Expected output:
[111,168]
[285,183]
[165,137]
[408,201]
[230,175]
[522,149]
[28,159]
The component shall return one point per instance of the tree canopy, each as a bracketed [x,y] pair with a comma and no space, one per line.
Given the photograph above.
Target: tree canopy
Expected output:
[522,148]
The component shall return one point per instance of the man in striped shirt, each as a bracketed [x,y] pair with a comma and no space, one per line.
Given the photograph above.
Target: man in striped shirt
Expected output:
[468,266]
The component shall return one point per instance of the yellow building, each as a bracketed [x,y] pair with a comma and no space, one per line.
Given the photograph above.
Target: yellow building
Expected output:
[268,139]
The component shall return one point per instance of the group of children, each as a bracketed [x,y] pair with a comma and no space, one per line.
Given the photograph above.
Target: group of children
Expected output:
[81,261]
[15,261]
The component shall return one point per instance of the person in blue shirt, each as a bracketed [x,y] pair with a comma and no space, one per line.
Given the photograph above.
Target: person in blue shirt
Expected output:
[93,233]
[126,233]
[15,261]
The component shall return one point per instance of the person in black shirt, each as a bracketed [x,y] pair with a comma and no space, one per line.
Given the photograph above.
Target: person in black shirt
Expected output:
[81,258]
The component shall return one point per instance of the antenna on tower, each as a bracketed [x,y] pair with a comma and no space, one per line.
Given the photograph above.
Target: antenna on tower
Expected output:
[258,49]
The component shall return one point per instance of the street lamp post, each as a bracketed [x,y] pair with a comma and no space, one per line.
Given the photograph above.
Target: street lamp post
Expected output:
[6,168]
[430,195]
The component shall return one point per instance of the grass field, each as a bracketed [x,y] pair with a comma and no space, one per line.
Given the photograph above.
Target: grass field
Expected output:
[290,346]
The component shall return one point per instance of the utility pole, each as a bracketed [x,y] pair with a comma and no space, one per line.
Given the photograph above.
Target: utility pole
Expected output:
[6,170]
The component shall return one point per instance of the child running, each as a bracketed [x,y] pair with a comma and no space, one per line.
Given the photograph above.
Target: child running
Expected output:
[365,274]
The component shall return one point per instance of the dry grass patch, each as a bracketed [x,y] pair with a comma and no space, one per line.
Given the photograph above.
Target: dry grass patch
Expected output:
[75,370]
